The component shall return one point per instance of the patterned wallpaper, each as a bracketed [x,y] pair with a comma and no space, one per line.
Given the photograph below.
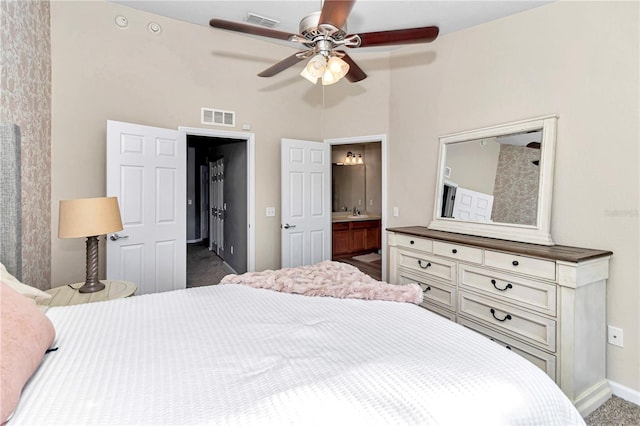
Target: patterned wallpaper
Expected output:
[516,187]
[25,99]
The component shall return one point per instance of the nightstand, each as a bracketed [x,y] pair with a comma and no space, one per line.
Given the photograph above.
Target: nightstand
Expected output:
[69,295]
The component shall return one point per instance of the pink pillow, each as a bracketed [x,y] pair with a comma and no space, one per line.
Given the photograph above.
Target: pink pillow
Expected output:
[26,334]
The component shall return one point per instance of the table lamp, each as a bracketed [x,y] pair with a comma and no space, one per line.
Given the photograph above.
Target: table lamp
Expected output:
[89,217]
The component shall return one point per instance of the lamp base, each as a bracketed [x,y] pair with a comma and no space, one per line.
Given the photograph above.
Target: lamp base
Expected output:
[92,283]
[91,288]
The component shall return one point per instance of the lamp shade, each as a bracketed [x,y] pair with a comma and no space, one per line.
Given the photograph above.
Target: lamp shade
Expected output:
[86,217]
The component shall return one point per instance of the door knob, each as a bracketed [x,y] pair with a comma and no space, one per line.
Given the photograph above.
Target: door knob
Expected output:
[116,237]
[287,226]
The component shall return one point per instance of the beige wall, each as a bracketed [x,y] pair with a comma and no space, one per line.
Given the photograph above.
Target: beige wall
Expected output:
[25,93]
[576,59]
[102,72]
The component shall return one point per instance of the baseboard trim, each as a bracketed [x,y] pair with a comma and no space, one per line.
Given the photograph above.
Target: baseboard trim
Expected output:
[625,393]
[594,397]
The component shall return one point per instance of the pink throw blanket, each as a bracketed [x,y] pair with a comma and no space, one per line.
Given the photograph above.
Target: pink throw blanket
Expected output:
[334,279]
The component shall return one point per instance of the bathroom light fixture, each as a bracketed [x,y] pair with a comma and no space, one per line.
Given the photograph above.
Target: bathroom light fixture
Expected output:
[350,159]
[329,69]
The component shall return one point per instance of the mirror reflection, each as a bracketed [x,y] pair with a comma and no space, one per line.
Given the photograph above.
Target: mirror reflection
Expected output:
[348,187]
[493,179]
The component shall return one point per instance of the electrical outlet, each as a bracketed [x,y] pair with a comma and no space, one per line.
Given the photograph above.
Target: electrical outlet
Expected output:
[615,336]
[231,249]
[271,211]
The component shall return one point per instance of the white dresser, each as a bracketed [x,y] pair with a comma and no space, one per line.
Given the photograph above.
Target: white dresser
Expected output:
[546,303]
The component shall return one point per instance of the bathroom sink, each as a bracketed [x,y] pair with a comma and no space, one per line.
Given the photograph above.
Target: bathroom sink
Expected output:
[360,216]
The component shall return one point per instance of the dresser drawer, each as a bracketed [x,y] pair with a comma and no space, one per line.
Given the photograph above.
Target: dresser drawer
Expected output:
[414,243]
[529,294]
[543,360]
[457,251]
[535,267]
[434,292]
[510,320]
[427,265]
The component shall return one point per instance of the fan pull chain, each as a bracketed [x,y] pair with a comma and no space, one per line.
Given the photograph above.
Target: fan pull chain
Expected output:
[323,101]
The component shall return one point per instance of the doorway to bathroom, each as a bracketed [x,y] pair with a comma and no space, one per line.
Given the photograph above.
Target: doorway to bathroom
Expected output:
[358,203]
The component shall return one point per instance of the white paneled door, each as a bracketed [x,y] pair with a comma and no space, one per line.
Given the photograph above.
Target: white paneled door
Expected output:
[217,207]
[472,205]
[146,170]
[306,192]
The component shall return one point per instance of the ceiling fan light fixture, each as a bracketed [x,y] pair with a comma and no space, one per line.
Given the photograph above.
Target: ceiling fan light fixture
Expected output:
[338,67]
[329,78]
[308,76]
[317,66]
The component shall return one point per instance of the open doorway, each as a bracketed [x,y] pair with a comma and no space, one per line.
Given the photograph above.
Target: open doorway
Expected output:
[358,203]
[217,208]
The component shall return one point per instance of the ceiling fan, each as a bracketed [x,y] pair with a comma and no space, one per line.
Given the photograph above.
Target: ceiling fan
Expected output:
[323,35]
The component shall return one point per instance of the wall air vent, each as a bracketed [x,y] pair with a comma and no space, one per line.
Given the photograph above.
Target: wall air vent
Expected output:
[218,117]
[253,18]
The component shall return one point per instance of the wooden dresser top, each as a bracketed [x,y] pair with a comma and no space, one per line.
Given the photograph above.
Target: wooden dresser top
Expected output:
[564,253]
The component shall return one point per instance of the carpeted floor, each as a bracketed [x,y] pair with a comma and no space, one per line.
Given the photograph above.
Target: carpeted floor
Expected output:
[615,412]
[203,266]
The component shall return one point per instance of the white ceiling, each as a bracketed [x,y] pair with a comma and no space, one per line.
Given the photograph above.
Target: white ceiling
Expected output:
[366,16]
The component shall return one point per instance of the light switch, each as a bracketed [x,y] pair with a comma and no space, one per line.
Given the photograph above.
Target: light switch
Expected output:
[395,212]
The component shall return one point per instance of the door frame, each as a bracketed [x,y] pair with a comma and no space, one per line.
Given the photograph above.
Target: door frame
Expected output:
[249,138]
[382,138]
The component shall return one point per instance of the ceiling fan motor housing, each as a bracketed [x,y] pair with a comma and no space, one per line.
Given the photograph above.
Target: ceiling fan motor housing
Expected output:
[310,30]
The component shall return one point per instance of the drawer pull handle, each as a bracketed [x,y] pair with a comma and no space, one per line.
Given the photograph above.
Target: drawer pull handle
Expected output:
[423,267]
[426,289]
[501,289]
[454,251]
[508,347]
[493,312]
[412,242]
[515,263]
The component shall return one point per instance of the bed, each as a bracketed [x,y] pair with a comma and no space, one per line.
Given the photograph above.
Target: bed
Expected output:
[234,354]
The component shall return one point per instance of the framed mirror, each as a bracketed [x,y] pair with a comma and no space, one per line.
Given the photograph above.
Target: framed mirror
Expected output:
[498,181]
[348,187]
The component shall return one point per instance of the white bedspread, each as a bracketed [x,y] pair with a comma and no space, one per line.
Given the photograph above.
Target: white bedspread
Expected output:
[231,354]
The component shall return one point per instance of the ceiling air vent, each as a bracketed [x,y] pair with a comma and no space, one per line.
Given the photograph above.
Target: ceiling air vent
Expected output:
[218,117]
[261,20]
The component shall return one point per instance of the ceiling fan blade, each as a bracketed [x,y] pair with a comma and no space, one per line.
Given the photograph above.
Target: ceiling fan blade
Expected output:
[393,37]
[334,14]
[282,65]
[355,73]
[249,29]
